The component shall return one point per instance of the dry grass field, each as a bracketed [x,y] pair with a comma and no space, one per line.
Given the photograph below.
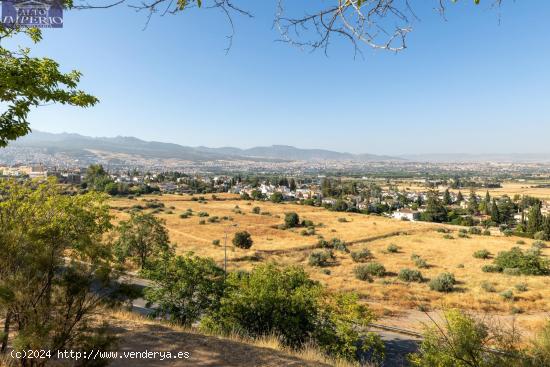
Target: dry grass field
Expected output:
[387,295]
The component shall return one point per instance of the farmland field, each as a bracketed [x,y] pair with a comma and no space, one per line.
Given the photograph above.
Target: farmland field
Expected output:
[387,295]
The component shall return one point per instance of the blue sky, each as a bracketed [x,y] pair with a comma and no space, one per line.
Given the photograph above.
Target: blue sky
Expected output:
[472,83]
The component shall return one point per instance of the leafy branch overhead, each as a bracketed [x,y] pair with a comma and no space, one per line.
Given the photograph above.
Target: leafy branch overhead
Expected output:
[27,82]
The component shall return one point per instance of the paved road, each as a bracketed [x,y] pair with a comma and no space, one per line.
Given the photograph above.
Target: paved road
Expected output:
[398,346]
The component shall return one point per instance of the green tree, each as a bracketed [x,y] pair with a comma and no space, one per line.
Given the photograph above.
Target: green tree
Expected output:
[473,203]
[276,197]
[142,238]
[52,255]
[292,185]
[243,240]
[534,219]
[495,212]
[486,204]
[292,220]
[184,288]
[27,82]
[459,197]
[447,197]
[435,210]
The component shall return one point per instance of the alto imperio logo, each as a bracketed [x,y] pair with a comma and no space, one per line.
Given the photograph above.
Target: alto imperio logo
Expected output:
[32,13]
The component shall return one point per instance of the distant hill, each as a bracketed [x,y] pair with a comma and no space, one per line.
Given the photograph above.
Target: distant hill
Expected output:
[76,144]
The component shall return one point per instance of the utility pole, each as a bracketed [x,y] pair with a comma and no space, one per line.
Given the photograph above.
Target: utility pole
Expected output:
[225,250]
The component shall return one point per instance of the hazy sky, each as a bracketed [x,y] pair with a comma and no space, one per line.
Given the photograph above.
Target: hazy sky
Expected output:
[467,84]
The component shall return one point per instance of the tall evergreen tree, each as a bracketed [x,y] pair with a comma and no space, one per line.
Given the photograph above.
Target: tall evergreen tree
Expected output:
[473,204]
[447,200]
[495,214]
[459,198]
[534,219]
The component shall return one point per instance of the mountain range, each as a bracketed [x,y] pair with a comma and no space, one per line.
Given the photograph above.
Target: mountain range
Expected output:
[76,144]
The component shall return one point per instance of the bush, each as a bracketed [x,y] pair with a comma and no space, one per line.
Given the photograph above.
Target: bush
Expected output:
[507,295]
[520,242]
[527,263]
[408,275]
[203,214]
[335,243]
[373,269]
[474,230]
[462,235]
[482,254]
[488,287]
[216,242]
[362,273]
[256,210]
[462,340]
[292,220]
[486,232]
[184,215]
[491,269]
[444,282]
[242,240]
[521,287]
[442,230]
[285,302]
[361,255]
[421,263]
[342,220]
[393,248]
[202,221]
[538,245]
[321,258]
[214,219]
[448,237]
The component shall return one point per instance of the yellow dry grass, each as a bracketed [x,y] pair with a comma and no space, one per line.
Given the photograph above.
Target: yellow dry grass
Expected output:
[136,333]
[387,295]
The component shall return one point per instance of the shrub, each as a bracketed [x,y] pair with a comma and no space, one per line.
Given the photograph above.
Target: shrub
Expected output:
[444,282]
[486,232]
[421,263]
[216,242]
[362,273]
[184,215]
[285,302]
[342,220]
[507,295]
[335,243]
[203,214]
[508,232]
[482,254]
[214,219]
[448,237]
[491,269]
[408,275]
[321,258]
[256,210]
[539,245]
[393,248]
[527,263]
[202,221]
[474,230]
[442,230]
[242,240]
[520,242]
[373,269]
[292,220]
[462,235]
[521,287]
[361,255]
[488,287]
